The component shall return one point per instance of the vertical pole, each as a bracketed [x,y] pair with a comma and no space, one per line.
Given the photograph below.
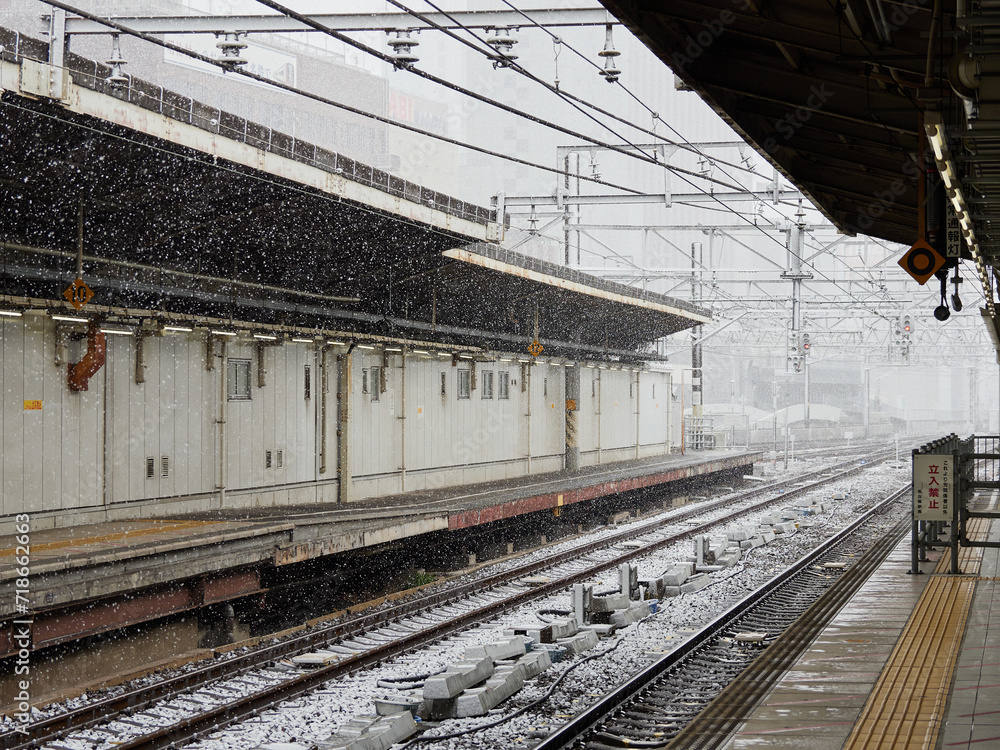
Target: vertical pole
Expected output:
[696,393]
[344,475]
[79,241]
[805,368]
[223,399]
[324,389]
[914,530]
[957,506]
[57,52]
[786,437]
[526,390]
[572,405]
[683,425]
[402,420]
[921,183]
[638,401]
[670,412]
[867,407]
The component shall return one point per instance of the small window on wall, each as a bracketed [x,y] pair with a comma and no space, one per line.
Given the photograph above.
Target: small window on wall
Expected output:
[376,385]
[308,382]
[545,387]
[239,380]
[593,387]
[464,384]
[364,381]
[444,381]
[503,385]
[654,390]
[487,383]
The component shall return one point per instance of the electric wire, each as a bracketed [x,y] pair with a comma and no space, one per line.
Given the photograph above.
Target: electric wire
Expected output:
[565,95]
[316,97]
[506,61]
[377,53]
[682,143]
[305,20]
[725,207]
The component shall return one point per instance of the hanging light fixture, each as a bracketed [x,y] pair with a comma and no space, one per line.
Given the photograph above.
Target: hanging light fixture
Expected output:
[609,53]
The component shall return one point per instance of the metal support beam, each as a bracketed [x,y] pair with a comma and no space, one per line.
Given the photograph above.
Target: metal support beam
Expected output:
[600,200]
[347,21]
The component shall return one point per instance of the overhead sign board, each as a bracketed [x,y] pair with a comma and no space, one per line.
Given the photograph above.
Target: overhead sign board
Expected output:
[934,487]
[953,234]
[922,261]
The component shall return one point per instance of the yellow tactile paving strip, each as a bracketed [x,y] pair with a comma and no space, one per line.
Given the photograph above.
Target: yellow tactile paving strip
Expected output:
[149,527]
[907,706]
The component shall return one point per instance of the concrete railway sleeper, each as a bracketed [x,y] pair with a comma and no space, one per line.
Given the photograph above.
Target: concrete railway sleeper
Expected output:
[691,697]
[402,638]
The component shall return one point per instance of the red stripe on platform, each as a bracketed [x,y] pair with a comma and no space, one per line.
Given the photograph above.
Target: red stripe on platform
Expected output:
[972,742]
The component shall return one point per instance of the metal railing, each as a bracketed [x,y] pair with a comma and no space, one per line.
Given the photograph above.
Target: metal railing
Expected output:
[960,467]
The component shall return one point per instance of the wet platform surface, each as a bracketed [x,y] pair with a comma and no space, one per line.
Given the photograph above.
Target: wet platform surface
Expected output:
[913,661]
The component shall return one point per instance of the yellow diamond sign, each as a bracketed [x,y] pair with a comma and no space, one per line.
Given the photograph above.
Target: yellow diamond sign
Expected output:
[78,294]
[535,348]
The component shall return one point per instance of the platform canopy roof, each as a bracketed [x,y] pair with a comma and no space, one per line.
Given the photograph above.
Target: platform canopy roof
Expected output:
[844,96]
[182,208]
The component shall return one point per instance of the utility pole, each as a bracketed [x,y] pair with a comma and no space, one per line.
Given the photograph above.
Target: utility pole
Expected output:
[798,349]
[696,393]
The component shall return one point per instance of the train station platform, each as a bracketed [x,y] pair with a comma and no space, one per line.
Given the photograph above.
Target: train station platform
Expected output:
[90,579]
[912,662]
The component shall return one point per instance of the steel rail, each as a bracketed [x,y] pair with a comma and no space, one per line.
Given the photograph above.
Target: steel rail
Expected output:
[603,710]
[102,711]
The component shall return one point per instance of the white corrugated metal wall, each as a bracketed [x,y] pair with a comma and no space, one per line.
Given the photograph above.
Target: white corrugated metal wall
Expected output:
[121,442]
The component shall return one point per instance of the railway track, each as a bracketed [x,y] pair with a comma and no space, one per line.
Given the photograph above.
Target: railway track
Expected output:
[242,687]
[696,696]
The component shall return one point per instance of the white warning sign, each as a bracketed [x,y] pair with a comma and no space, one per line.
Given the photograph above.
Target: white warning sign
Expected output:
[933,487]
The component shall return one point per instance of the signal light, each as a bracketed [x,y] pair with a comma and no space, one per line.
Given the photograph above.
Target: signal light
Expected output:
[805,342]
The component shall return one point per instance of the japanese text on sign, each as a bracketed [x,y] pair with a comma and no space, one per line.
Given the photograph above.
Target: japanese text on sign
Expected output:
[933,487]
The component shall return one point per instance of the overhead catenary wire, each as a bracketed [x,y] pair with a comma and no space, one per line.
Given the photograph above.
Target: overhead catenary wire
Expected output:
[725,207]
[565,95]
[323,100]
[377,53]
[682,144]
[312,23]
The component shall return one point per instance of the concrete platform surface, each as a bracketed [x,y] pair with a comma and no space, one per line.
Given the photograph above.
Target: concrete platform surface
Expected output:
[913,661]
